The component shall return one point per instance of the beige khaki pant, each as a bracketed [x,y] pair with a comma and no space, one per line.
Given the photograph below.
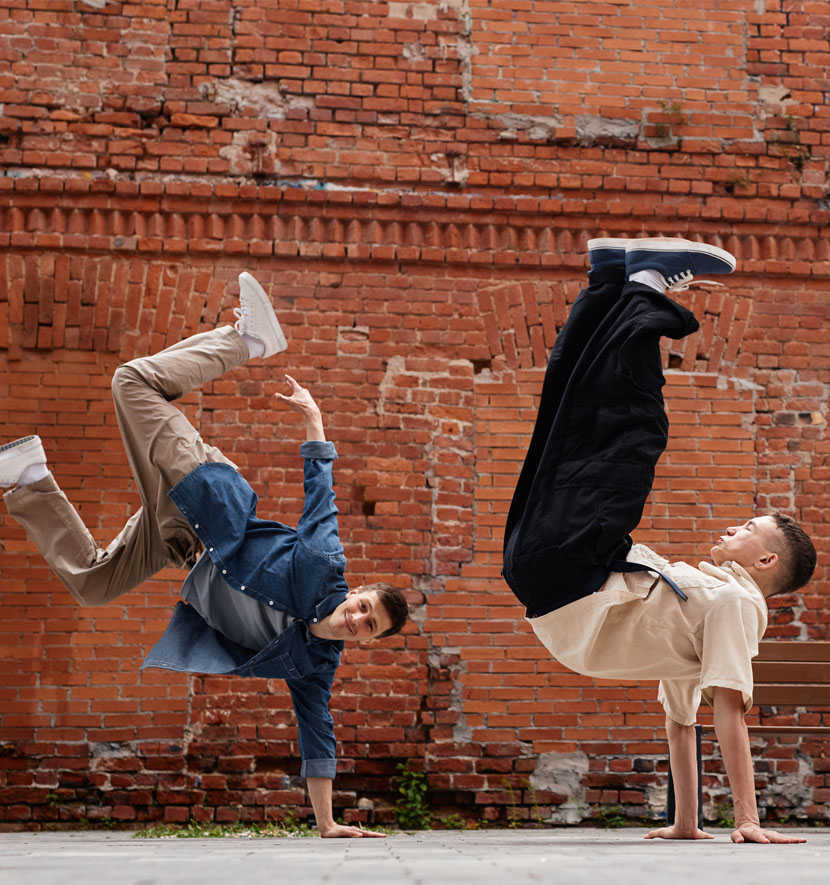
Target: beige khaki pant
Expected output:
[162,447]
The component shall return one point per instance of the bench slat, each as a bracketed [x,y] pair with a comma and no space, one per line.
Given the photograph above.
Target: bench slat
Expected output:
[793,650]
[788,693]
[780,729]
[789,729]
[775,672]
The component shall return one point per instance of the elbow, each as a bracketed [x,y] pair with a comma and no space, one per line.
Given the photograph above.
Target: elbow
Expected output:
[676,729]
[728,708]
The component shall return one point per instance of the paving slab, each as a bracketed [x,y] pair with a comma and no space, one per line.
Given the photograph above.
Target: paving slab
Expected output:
[483,857]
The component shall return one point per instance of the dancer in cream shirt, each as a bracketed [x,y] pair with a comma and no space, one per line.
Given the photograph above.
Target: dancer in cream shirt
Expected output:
[602,606]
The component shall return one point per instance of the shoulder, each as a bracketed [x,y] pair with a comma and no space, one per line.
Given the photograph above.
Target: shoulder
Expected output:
[736,582]
[644,554]
[212,476]
[736,603]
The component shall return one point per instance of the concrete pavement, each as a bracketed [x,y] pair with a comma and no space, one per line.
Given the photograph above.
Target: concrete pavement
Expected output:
[483,857]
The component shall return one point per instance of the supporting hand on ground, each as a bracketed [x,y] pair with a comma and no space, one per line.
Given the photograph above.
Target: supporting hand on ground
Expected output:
[675,832]
[338,831]
[755,833]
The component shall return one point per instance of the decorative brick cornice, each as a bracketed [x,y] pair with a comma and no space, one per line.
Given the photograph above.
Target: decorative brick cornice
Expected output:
[176,218]
[521,322]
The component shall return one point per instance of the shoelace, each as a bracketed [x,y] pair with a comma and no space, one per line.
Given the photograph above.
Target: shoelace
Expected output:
[681,281]
[244,317]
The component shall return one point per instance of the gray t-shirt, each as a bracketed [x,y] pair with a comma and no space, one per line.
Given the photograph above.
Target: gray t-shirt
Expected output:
[233,614]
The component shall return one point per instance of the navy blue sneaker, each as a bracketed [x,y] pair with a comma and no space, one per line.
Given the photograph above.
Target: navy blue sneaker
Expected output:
[676,260]
[607,252]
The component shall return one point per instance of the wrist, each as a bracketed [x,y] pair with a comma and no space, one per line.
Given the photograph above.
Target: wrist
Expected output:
[314,427]
[684,824]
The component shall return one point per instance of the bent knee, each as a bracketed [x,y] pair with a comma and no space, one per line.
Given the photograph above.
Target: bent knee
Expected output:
[122,378]
[89,591]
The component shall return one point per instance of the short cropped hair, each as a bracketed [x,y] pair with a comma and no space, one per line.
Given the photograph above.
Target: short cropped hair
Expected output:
[395,604]
[796,553]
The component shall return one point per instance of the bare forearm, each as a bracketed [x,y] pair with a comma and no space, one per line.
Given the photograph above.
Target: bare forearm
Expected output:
[683,753]
[733,738]
[319,791]
[314,425]
[683,756]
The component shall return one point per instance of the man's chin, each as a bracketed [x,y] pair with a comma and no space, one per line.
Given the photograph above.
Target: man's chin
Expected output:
[716,555]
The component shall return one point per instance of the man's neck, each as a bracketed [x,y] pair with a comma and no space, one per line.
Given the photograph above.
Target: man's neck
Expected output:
[761,580]
[321,629]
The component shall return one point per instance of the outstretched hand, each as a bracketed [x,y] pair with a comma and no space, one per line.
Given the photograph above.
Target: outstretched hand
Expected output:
[298,398]
[338,831]
[674,832]
[755,833]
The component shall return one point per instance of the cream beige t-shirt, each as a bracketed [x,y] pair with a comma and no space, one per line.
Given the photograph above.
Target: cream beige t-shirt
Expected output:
[637,627]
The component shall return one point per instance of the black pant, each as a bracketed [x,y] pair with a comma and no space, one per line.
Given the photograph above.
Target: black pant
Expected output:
[599,433]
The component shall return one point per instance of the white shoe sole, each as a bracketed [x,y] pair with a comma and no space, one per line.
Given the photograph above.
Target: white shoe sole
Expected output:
[272,335]
[16,456]
[608,243]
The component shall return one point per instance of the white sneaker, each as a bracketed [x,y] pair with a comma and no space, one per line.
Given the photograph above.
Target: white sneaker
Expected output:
[16,456]
[256,317]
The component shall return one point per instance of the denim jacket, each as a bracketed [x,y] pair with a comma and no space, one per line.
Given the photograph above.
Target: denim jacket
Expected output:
[297,571]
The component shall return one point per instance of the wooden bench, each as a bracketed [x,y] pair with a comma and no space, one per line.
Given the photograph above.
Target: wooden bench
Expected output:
[792,673]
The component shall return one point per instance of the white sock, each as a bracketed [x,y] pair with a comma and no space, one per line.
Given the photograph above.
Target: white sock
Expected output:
[650,278]
[33,473]
[255,346]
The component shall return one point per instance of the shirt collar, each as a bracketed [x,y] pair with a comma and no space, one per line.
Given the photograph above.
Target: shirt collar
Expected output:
[326,606]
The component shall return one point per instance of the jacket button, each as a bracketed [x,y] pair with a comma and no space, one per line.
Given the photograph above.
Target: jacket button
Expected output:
[314,620]
[270,602]
[210,549]
[196,525]
[242,587]
[224,571]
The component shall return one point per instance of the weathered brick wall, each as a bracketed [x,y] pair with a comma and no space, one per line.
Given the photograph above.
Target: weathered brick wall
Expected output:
[415,183]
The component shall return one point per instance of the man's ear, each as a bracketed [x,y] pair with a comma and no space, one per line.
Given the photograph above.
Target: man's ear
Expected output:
[767,561]
[366,643]
[353,590]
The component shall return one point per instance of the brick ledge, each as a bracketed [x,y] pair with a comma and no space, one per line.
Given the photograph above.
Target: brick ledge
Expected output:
[174,219]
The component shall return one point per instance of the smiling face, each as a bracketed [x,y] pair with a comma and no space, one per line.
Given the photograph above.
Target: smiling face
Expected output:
[361,616]
[751,545]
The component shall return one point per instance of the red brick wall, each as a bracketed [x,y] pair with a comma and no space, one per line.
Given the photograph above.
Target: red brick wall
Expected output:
[415,183]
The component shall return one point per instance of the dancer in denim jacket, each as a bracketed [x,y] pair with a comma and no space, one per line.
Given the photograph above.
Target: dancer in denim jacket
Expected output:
[260,598]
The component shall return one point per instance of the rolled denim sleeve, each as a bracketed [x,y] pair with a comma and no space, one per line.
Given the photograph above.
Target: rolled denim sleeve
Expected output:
[315,727]
[317,527]
[319,450]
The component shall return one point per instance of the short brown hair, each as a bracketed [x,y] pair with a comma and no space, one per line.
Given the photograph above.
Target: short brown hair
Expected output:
[395,604]
[796,553]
